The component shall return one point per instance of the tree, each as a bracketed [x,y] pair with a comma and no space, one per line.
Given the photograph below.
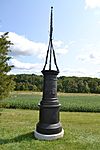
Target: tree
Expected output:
[72,86]
[6,82]
[59,86]
[81,86]
[98,89]
[93,84]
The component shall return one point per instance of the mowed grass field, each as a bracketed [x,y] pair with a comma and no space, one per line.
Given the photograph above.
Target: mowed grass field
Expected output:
[82,131]
[69,102]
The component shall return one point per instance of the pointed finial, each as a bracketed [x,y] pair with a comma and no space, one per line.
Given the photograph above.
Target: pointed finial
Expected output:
[50,47]
[51,24]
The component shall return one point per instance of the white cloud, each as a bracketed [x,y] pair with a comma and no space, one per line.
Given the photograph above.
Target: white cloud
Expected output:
[72,42]
[58,43]
[98,74]
[92,4]
[74,72]
[90,55]
[99,22]
[60,47]
[23,67]
[23,46]
[80,72]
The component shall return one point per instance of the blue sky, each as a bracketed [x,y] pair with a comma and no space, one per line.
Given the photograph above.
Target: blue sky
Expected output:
[76,35]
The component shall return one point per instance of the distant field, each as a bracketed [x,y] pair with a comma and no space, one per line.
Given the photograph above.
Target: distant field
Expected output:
[82,131]
[69,102]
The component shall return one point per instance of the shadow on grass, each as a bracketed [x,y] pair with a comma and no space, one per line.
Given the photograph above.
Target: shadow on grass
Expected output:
[23,137]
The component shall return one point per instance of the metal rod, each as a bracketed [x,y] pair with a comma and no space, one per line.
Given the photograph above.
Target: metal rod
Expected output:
[55,60]
[51,24]
[50,47]
[50,59]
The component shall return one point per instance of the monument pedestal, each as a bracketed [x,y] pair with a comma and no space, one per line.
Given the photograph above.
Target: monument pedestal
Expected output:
[49,127]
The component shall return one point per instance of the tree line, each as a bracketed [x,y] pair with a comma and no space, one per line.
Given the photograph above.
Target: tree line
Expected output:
[65,84]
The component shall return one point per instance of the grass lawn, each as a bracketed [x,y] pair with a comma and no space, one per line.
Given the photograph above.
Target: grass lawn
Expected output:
[82,131]
[69,102]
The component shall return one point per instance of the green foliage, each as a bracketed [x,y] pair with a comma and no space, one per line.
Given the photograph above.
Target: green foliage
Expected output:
[80,103]
[6,82]
[79,84]
[32,82]
[25,82]
[72,103]
[82,131]
[22,101]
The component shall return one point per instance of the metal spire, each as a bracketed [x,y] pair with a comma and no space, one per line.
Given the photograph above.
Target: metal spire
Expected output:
[50,46]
